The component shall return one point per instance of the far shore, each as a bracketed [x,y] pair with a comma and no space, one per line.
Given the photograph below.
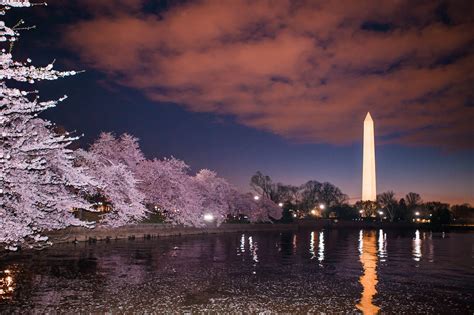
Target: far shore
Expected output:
[157,230]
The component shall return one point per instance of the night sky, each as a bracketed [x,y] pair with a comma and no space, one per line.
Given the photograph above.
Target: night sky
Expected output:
[276,86]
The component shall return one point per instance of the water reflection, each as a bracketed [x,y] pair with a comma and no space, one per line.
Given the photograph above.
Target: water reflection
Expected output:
[312,243]
[382,245]
[294,242]
[247,273]
[368,258]
[7,284]
[416,246]
[321,247]
[253,249]
[430,247]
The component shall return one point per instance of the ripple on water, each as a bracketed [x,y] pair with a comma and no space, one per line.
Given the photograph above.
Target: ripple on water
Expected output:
[308,271]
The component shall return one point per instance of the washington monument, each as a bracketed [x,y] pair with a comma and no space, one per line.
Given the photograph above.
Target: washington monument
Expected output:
[369,191]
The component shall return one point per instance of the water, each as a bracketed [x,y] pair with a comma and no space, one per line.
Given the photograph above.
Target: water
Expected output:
[297,272]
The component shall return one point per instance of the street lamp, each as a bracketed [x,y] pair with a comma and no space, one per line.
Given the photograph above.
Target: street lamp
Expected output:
[256,197]
[208,217]
[280,204]
[417,213]
[313,212]
[322,206]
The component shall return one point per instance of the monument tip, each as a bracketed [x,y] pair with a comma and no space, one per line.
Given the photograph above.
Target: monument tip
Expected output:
[368,117]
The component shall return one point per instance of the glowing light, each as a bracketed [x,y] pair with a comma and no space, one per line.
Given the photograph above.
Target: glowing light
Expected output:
[7,284]
[208,217]
[361,211]
[381,212]
[280,204]
[313,212]
[417,213]
[256,197]
[294,215]
[322,206]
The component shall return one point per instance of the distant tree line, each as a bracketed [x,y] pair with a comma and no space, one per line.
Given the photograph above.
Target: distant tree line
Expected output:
[307,198]
[303,198]
[412,208]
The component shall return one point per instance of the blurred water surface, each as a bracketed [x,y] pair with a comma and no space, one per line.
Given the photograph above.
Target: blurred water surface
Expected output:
[330,271]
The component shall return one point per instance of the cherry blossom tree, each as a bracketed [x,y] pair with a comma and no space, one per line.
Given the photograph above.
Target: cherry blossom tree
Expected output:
[38,184]
[167,185]
[116,180]
[261,210]
[214,193]
[124,149]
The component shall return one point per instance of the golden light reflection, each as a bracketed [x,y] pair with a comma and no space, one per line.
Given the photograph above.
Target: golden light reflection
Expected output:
[7,284]
[417,247]
[368,258]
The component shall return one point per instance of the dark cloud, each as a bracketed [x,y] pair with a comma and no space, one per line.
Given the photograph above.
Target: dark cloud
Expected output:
[304,70]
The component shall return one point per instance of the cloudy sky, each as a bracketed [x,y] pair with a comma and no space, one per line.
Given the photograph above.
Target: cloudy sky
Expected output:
[277,86]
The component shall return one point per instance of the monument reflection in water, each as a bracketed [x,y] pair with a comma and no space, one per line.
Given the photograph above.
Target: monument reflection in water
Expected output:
[368,280]
[304,271]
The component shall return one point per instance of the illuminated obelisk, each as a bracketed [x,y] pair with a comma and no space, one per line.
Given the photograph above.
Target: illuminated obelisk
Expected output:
[369,191]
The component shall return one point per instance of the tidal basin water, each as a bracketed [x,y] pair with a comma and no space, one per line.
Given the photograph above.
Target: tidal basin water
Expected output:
[313,271]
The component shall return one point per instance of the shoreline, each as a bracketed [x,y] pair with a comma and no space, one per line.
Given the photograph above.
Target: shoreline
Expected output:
[157,230]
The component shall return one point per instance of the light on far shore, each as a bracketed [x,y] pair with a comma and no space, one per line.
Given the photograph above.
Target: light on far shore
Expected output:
[417,213]
[256,197]
[322,206]
[208,217]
